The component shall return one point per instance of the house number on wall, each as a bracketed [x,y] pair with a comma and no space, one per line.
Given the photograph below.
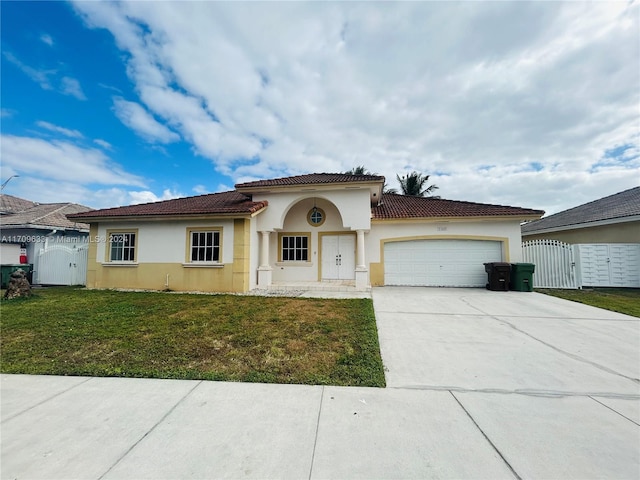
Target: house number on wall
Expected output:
[442,229]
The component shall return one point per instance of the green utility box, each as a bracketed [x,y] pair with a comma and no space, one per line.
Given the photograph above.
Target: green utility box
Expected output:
[522,277]
[7,270]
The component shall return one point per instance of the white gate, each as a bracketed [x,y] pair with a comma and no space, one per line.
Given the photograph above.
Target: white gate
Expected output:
[555,263]
[61,265]
[560,265]
[610,264]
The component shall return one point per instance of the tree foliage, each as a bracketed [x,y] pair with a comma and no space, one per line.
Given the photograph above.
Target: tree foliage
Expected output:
[415,184]
[359,170]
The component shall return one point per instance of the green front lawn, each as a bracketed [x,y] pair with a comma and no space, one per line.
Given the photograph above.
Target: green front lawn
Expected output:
[623,300]
[73,331]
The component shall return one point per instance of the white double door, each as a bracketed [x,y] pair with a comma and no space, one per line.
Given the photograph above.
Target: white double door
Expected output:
[338,257]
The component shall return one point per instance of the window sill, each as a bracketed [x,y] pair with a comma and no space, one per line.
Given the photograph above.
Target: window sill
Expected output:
[203,265]
[294,264]
[120,264]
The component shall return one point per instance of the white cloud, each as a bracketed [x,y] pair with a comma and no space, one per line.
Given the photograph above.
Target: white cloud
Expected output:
[146,196]
[541,91]
[62,161]
[223,188]
[55,128]
[44,190]
[200,190]
[6,113]
[40,76]
[45,78]
[46,38]
[134,116]
[103,143]
[110,87]
[71,86]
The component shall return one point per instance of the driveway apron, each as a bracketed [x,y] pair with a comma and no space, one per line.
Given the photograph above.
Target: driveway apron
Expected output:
[552,384]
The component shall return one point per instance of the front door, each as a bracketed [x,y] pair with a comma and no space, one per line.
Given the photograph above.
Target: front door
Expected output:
[338,257]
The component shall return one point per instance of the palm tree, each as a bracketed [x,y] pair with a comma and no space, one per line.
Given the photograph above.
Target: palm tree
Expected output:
[359,170]
[414,184]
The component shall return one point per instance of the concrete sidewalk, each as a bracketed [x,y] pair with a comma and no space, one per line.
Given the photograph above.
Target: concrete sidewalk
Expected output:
[480,385]
[77,427]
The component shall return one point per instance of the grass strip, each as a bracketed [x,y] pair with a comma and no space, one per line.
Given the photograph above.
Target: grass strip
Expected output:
[622,300]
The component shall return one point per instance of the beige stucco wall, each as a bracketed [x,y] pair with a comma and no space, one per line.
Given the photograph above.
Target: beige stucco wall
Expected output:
[254,254]
[296,222]
[505,231]
[162,245]
[165,241]
[354,207]
[615,233]
[162,254]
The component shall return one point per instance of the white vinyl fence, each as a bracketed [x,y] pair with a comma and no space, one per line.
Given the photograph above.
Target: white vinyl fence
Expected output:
[61,264]
[561,265]
[555,263]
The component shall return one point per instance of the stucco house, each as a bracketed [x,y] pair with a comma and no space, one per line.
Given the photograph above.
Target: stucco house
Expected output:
[322,227]
[612,219]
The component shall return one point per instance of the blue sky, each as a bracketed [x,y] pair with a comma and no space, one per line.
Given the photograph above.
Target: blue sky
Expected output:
[531,104]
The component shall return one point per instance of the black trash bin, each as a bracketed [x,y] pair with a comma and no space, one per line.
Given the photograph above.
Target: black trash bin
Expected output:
[498,275]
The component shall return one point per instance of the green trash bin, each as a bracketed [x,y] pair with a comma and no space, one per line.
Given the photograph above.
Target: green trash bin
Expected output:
[7,270]
[522,277]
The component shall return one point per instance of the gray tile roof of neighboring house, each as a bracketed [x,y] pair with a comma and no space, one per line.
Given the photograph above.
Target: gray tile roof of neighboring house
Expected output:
[403,206]
[617,206]
[311,179]
[11,204]
[225,203]
[47,215]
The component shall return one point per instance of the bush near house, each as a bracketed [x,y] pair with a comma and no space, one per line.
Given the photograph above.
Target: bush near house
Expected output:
[73,331]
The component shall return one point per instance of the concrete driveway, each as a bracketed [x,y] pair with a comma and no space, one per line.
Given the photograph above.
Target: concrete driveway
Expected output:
[480,385]
[552,384]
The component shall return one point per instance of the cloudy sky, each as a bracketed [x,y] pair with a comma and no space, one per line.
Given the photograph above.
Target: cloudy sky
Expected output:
[531,104]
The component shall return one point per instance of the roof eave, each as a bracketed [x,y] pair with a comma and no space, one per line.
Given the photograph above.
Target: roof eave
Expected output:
[578,226]
[460,218]
[169,216]
[307,186]
[32,226]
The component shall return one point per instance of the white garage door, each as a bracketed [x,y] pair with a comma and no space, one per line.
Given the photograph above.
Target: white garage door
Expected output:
[439,263]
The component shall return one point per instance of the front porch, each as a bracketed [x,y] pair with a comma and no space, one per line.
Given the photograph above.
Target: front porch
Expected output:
[312,243]
[325,289]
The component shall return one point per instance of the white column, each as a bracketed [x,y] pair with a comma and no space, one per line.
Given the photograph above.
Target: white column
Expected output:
[360,250]
[362,274]
[264,270]
[264,250]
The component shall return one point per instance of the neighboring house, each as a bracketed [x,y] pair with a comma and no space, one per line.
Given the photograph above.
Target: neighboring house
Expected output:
[308,228]
[592,245]
[37,227]
[612,219]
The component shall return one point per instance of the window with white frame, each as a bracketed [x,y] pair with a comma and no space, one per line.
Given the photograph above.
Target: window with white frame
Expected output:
[122,246]
[205,246]
[295,248]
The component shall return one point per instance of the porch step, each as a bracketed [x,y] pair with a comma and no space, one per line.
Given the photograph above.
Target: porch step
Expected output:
[332,286]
